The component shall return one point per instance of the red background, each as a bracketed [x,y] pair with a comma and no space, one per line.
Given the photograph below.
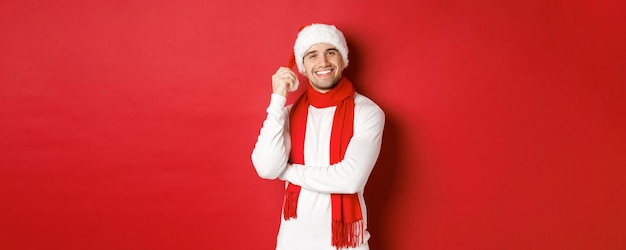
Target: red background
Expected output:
[129,124]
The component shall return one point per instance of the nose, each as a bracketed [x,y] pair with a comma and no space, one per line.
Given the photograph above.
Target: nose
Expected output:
[324,60]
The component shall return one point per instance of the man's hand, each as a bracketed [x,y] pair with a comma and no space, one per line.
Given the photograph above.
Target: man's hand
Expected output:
[283,80]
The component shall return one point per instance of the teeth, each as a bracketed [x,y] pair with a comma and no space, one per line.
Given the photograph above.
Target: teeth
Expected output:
[323,72]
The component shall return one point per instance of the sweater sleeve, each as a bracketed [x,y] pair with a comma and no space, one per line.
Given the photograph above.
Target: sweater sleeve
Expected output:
[350,175]
[271,151]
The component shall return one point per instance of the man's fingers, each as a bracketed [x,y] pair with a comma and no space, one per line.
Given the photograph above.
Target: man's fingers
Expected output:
[286,75]
[283,80]
[285,70]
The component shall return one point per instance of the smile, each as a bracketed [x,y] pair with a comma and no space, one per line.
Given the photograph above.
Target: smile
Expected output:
[323,72]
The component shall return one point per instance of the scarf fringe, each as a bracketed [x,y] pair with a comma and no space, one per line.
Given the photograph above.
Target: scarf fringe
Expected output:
[291,204]
[347,234]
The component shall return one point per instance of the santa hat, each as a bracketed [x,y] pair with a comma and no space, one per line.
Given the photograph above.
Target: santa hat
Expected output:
[319,33]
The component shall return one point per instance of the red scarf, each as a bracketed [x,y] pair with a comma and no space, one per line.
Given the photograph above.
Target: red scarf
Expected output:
[347,220]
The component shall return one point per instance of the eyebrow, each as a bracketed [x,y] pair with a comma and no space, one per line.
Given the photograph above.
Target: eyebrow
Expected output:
[315,51]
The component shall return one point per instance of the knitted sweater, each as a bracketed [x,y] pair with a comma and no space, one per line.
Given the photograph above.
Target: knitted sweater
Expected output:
[312,229]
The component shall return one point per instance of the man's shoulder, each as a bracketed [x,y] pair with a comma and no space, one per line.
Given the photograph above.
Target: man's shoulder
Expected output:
[364,104]
[367,112]
[361,100]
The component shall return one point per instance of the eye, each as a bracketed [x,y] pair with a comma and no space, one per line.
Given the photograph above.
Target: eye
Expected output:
[311,56]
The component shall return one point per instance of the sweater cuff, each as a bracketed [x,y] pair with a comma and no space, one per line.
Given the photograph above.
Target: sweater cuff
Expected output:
[278,101]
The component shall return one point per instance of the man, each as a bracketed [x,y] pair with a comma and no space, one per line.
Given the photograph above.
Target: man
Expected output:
[324,147]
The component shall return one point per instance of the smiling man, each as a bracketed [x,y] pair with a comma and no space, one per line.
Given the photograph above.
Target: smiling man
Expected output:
[324,147]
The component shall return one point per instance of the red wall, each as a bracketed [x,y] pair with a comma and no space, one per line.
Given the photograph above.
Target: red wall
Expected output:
[129,124]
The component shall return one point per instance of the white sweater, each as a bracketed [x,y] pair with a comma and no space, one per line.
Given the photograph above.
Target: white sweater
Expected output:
[312,229]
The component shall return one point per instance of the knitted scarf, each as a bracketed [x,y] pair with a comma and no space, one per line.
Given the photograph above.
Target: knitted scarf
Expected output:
[347,220]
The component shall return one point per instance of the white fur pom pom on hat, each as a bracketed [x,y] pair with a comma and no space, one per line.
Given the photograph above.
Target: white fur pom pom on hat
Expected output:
[319,33]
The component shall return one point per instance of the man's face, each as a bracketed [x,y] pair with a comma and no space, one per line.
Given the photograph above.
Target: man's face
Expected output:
[323,65]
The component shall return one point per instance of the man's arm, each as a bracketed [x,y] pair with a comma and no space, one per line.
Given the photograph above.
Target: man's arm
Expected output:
[271,151]
[273,145]
[350,175]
